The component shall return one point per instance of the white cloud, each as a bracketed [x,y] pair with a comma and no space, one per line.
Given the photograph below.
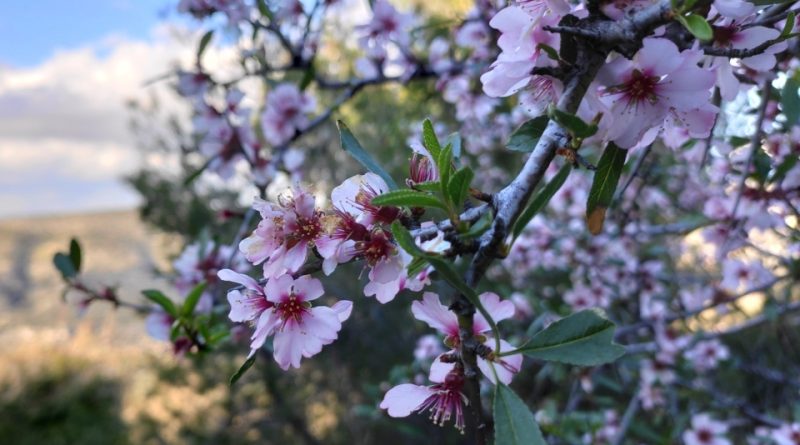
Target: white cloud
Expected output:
[64,138]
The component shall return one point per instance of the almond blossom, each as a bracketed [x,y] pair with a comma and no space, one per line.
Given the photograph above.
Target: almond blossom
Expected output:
[283,308]
[659,83]
[285,113]
[285,234]
[445,399]
[706,431]
[436,315]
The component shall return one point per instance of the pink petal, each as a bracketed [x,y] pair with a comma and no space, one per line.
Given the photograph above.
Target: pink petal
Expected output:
[504,374]
[343,309]
[235,277]
[278,287]
[402,400]
[440,369]
[431,311]
[307,288]
[499,310]
[386,270]
[658,56]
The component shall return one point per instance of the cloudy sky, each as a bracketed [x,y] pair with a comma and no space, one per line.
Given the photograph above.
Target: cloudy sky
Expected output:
[66,70]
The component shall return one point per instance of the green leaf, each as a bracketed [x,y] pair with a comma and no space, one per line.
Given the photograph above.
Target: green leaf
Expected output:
[204,41]
[245,366]
[584,339]
[549,50]
[458,188]
[350,145]
[308,77]
[698,26]
[406,241]
[408,198]
[513,421]
[429,139]
[431,186]
[790,101]
[157,297]
[604,185]
[445,163]
[541,199]
[196,174]
[192,298]
[64,265]
[788,27]
[526,137]
[263,8]
[75,254]
[573,124]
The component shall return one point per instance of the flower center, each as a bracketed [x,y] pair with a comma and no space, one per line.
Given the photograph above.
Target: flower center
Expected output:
[308,228]
[292,308]
[704,436]
[376,247]
[641,87]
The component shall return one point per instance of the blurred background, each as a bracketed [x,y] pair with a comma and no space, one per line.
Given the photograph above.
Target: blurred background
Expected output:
[87,116]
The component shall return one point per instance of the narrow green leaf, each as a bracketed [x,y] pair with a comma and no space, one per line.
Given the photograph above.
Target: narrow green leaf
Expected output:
[196,174]
[513,421]
[204,41]
[416,266]
[407,198]
[790,101]
[431,186]
[245,366]
[445,163]
[541,199]
[573,124]
[429,139]
[604,185]
[64,265]
[526,137]
[584,339]
[788,27]
[263,8]
[406,241]
[549,50]
[350,145]
[75,254]
[698,26]
[458,188]
[192,298]
[308,77]
[157,297]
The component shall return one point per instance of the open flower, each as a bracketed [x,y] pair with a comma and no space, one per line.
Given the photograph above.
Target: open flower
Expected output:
[283,308]
[436,315]
[285,233]
[706,431]
[445,399]
[659,83]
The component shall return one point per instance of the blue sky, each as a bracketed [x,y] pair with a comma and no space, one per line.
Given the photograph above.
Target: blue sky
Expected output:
[32,31]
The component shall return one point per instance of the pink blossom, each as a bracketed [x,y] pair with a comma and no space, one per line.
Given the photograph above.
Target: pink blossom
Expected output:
[387,25]
[738,275]
[285,113]
[445,399]
[159,325]
[283,308]
[520,38]
[706,431]
[730,34]
[285,233]
[706,355]
[301,330]
[786,434]
[428,346]
[659,83]
[431,311]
